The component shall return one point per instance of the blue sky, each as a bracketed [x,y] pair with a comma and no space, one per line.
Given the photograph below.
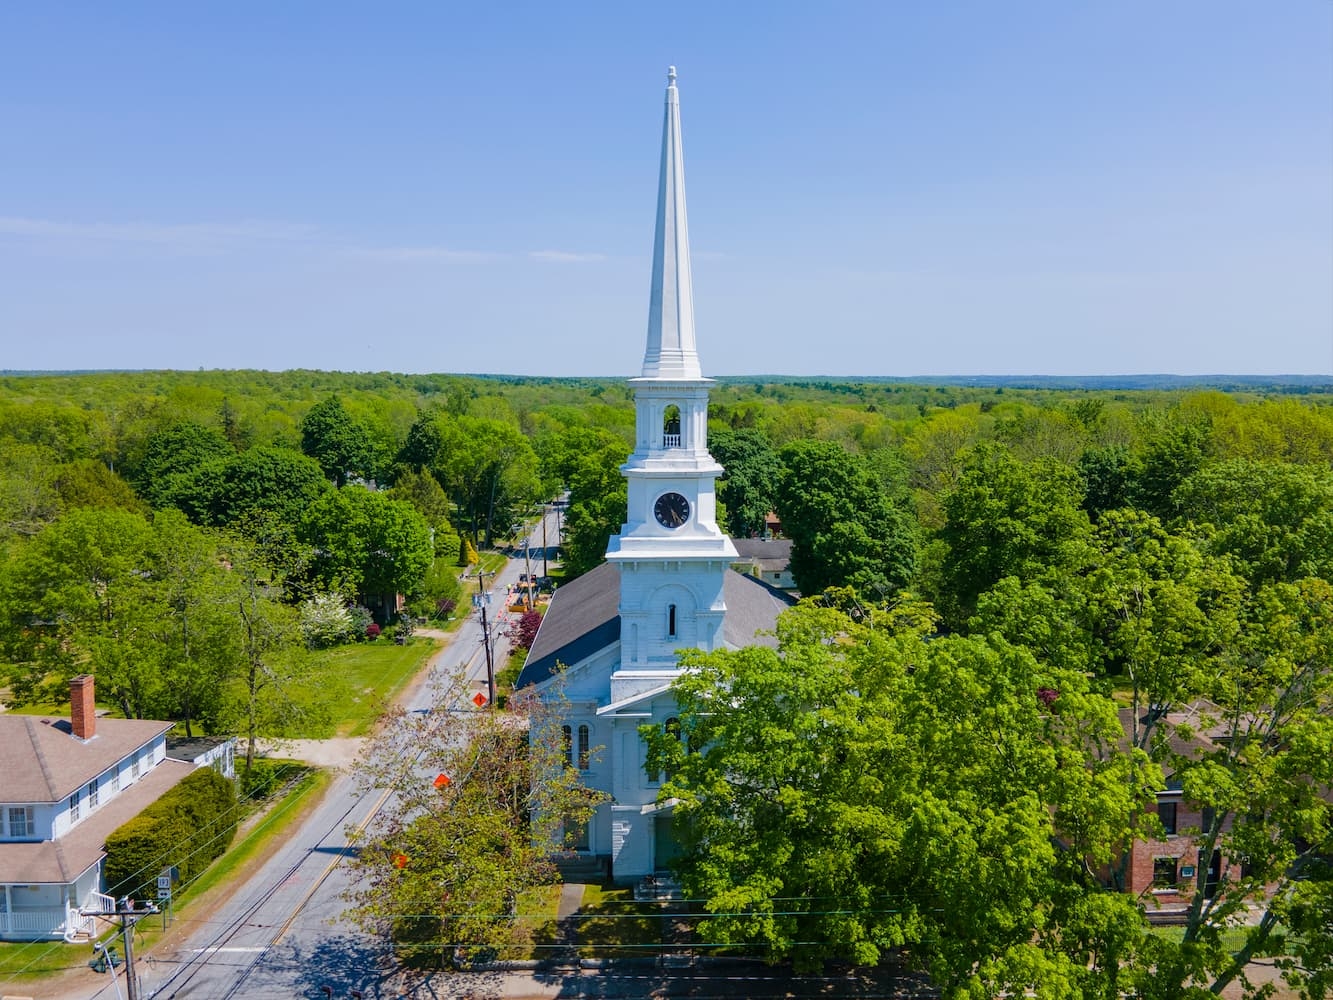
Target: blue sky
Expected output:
[891,188]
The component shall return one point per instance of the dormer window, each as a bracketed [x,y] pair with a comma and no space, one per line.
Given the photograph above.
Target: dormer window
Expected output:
[671,427]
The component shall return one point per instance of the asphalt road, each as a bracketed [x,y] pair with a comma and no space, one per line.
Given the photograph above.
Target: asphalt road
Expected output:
[282,935]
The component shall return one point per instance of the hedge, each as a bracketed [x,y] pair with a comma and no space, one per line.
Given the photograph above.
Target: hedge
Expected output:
[188,827]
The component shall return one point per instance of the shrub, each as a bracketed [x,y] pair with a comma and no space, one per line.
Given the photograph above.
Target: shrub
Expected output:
[326,621]
[187,828]
[524,629]
[372,631]
[263,778]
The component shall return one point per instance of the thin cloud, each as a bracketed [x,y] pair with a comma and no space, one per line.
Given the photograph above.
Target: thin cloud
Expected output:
[422,253]
[187,236]
[566,257]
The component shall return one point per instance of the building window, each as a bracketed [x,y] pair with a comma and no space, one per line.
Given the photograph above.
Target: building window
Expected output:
[567,744]
[74,808]
[1164,871]
[134,768]
[20,821]
[1207,820]
[1166,812]
[94,796]
[584,748]
[671,621]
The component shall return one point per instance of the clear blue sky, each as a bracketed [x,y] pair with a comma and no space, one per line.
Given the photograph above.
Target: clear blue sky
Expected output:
[890,188]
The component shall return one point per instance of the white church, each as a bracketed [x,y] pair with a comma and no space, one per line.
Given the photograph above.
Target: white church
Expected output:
[609,642]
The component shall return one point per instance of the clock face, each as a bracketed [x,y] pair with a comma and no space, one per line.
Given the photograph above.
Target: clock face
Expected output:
[671,510]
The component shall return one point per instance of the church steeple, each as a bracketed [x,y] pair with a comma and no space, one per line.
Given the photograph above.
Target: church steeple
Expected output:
[671,352]
[672,555]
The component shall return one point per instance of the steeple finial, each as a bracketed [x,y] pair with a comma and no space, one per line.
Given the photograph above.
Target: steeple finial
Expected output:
[671,352]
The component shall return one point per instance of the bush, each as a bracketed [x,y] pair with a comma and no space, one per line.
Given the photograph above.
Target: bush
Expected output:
[187,828]
[524,629]
[263,778]
[372,631]
[326,621]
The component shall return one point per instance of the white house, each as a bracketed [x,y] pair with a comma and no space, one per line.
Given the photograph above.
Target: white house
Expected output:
[609,641]
[65,784]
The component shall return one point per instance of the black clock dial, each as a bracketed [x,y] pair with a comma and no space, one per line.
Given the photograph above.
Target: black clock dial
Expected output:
[671,510]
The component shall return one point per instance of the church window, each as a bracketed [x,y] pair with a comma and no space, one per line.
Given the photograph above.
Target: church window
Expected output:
[567,735]
[671,621]
[671,427]
[584,749]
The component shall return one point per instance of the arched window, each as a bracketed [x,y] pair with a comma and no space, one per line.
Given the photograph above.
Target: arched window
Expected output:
[567,735]
[671,427]
[584,748]
[671,621]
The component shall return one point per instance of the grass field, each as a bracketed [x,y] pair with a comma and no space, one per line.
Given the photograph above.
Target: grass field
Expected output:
[372,673]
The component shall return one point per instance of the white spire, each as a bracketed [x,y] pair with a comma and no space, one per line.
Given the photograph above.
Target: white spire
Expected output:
[671,353]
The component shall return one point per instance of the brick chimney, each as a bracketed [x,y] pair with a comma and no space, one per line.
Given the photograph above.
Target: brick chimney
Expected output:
[82,707]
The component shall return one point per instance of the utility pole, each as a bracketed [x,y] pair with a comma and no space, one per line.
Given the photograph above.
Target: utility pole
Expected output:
[129,916]
[527,576]
[544,513]
[482,600]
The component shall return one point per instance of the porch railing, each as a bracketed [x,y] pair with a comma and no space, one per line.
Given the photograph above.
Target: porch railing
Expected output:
[37,922]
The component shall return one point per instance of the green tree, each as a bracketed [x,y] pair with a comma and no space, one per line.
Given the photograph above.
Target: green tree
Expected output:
[342,445]
[367,542]
[88,483]
[234,491]
[489,470]
[480,798]
[1259,760]
[269,668]
[1274,519]
[173,454]
[598,506]
[748,490]
[29,499]
[1007,518]
[866,789]
[189,589]
[423,492]
[843,527]
[75,599]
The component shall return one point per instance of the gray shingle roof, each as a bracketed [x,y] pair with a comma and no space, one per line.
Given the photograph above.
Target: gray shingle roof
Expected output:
[42,761]
[65,859]
[773,554]
[584,617]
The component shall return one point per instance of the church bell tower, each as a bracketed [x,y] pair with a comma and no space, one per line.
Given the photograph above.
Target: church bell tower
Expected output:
[672,556]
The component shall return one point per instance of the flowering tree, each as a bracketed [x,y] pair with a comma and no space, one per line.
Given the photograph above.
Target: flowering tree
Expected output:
[469,828]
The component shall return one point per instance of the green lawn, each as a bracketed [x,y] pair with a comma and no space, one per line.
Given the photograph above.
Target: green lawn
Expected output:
[371,673]
[610,924]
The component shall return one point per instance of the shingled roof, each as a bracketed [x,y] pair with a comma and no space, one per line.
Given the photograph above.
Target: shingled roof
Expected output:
[65,859]
[43,761]
[584,616]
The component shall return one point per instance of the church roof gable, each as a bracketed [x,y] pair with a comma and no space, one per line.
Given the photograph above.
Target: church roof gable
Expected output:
[584,617]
